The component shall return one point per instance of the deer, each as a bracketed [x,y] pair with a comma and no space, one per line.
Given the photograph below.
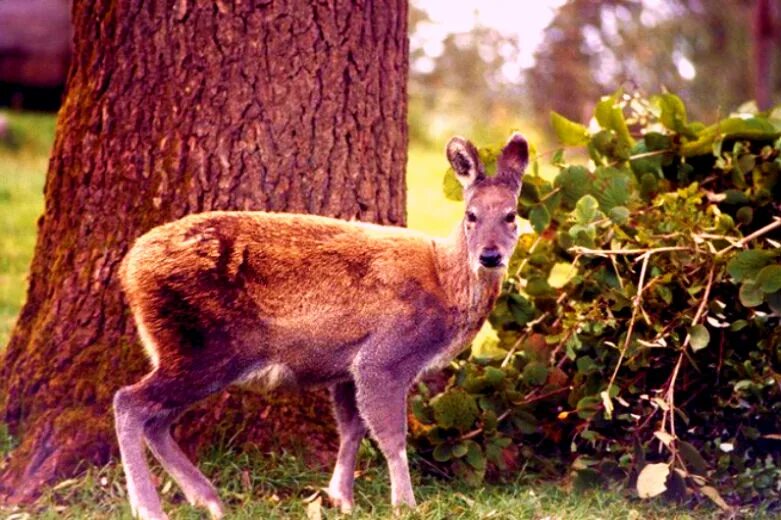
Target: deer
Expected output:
[286,300]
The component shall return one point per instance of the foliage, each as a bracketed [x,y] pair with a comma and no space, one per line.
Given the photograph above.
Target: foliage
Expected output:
[638,329]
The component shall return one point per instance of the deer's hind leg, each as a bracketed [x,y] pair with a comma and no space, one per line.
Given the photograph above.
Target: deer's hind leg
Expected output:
[147,409]
[195,486]
[351,431]
[131,412]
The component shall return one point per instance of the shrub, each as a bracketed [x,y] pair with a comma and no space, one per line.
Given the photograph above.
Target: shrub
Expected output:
[638,328]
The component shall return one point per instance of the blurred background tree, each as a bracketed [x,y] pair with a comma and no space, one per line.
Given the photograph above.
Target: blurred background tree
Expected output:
[716,55]
[700,49]
[486,66]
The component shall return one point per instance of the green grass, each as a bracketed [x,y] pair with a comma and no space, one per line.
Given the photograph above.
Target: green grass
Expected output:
[23,162]
[271,485]
[427,208]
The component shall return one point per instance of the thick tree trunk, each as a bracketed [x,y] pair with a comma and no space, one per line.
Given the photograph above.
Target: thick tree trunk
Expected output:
[179,108]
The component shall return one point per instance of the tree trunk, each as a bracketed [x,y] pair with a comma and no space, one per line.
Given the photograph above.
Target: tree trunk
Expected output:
[280,105]
[763,33]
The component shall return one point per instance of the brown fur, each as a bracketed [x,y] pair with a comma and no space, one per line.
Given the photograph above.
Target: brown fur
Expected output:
[300,300]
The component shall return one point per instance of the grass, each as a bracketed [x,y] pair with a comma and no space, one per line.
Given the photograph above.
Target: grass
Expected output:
[24,158]
[277,486]
[270,485]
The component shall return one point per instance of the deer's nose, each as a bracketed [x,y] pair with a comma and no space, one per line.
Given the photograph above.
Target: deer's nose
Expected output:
[490,257]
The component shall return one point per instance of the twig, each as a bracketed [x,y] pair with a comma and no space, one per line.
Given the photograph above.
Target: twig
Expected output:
[529,400]
[635,309]
[434,468]
[474,433]
[618,274]
[641,156]
[607,252]
[756,234]
[553,192]
[670,397]
[528,253]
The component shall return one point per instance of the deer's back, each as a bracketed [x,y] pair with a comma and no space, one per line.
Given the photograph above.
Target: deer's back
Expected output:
[293,285]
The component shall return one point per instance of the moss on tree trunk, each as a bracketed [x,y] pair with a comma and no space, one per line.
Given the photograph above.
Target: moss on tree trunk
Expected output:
[286,106]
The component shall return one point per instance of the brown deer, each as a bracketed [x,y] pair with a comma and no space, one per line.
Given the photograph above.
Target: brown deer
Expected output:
[300,300]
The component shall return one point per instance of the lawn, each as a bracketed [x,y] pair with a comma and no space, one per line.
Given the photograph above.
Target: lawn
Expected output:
[275,485]
[23,162]
[270,486]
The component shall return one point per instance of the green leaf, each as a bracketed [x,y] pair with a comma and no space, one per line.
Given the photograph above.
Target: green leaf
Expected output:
[604,108]
[735,197]
[673,113]
[700,337]
[692,457]
[535,373]
[612,187]
[459,450]
[734,127]
[641,165]
[540,218]
[557,159]
[451,187]
[619,215]
[745,215]
[420,410]
[474,455]
[618,125]
[442,453]
[769,278]
[560,275]
[537,286]
[649,185]
[747,264]
[520,308]
[455,409]
[586,210]
[569,132]
[493,376]
[588,406]
[750,294]
[746,163]
[574,182]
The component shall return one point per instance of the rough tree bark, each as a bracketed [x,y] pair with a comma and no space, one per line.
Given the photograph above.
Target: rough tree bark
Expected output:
[171,109]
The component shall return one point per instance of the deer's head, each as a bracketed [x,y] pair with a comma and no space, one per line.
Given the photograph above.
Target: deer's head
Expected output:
[490,221]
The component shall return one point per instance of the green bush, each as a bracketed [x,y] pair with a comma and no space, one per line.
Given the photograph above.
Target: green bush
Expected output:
[638,327]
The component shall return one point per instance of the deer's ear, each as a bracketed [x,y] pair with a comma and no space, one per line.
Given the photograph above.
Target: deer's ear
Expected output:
[465,161]
[513,161]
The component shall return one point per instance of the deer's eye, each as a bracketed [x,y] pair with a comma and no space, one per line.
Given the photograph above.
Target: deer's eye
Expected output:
[471,217]
[510,217]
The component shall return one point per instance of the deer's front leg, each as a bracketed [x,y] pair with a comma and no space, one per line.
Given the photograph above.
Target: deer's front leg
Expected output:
[351,430]
[382,401]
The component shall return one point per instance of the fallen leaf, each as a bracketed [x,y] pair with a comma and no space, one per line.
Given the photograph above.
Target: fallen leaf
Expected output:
[314,510]
[652,480]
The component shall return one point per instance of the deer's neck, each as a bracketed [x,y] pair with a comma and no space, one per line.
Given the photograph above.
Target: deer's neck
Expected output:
[472,293]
